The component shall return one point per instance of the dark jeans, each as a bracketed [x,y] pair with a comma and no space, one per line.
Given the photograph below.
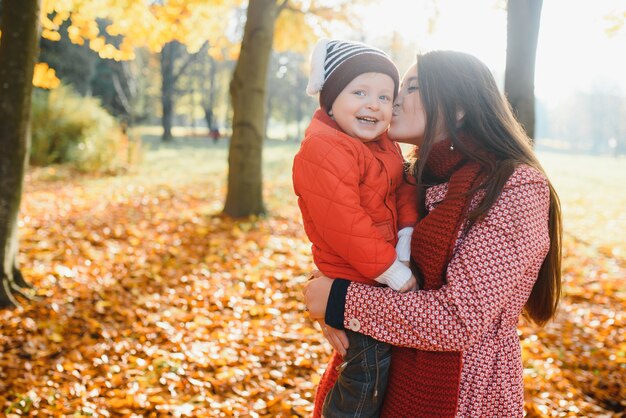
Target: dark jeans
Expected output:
[360,388]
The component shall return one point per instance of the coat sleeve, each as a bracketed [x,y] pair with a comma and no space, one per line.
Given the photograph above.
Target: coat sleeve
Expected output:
[489,269]
[326,177]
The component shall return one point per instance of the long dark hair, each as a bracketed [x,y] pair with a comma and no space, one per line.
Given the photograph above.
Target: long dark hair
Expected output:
[451,82]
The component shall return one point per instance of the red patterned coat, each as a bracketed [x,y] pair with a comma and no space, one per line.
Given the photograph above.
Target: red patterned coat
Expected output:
[490,278]
[353,199]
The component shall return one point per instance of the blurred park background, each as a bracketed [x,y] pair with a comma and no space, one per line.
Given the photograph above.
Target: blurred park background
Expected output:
[161,255]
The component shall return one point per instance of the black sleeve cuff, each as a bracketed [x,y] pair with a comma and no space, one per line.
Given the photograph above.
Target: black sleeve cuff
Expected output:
[336,307]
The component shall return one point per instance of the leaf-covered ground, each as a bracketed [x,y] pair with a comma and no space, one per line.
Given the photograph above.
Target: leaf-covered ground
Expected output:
[150,304]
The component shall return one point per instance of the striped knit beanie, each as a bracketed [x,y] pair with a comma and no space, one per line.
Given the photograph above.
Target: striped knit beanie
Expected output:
[334,64]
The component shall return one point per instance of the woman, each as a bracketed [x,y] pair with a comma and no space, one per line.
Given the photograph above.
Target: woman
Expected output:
[487,248]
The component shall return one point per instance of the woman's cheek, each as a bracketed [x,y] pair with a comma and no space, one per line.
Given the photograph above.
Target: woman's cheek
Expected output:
[400,131]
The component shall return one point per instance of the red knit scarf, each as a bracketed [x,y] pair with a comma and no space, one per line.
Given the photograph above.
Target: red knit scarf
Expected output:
[426,383]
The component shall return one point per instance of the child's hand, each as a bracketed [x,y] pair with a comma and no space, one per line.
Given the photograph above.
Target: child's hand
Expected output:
[409,286]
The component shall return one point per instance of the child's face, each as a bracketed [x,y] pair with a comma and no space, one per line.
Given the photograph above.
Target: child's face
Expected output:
[363,109]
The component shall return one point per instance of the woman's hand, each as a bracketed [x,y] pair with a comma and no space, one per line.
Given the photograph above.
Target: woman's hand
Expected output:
[336,337]
[316,293]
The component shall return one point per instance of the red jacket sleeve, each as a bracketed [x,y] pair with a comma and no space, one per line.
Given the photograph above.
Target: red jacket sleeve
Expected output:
[326,177]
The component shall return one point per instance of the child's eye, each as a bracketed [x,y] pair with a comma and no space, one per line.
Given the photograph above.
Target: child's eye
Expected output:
[359,92]
[384,98]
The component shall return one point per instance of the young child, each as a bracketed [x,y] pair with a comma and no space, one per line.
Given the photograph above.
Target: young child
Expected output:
[348,177]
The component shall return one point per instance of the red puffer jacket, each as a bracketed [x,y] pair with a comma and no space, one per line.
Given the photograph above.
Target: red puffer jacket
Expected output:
[353,199]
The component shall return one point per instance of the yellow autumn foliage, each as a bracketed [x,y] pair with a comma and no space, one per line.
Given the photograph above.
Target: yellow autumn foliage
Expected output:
[50,35]
[193,23]
[45,77]
[294,31]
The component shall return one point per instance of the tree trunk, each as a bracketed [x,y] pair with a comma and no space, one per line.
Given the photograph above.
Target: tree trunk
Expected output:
[523,17]
[126,90]
[18,51]
[209,102]
[168,55]
[169,78]
[269,102]
[247,89]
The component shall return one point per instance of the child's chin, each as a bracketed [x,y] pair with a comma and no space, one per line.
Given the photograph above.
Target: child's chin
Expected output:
[369,138]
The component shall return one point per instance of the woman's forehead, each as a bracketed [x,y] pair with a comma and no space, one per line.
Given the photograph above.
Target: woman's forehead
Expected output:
[412,71]
[410,74]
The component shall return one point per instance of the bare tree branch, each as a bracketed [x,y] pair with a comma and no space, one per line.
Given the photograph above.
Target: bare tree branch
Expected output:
[121,93]
[190,58]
